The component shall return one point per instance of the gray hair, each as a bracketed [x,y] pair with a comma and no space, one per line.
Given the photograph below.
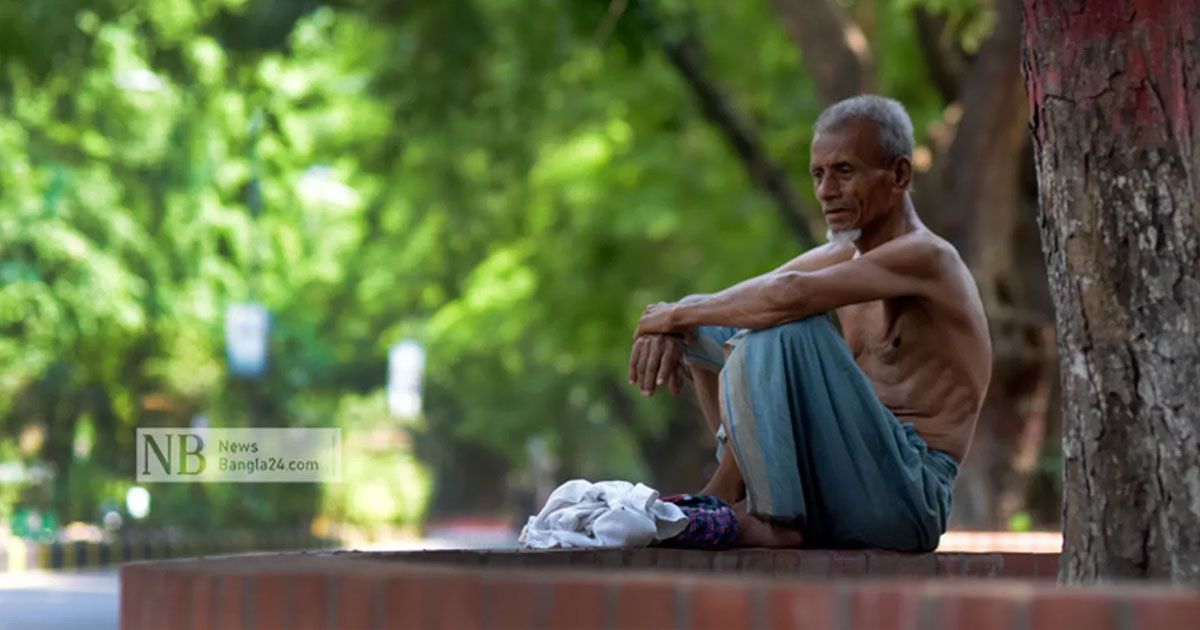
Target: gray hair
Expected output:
[890,118]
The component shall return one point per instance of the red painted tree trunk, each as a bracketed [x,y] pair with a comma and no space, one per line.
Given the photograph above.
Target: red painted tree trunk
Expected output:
[1114,88]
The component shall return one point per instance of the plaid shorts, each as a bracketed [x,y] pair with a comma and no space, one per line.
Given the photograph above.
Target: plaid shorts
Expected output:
[711,523]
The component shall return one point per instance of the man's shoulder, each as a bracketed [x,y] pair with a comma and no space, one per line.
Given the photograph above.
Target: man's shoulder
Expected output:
[833,250]
[924,253]
[950,282]
[820,257]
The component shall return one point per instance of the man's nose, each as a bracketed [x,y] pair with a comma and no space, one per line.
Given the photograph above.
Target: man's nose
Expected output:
[827,189]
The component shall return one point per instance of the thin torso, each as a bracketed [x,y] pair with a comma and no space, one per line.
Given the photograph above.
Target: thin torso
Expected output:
[928,359]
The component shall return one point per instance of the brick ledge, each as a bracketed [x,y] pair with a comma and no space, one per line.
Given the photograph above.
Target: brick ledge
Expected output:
[431,589]
[778,562]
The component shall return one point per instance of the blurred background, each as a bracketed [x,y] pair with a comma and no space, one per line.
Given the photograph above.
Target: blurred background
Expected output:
[433,224]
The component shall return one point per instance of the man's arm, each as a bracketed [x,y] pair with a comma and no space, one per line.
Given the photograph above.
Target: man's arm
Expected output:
[819,258]
[905,266]
[655,361]
[814,259]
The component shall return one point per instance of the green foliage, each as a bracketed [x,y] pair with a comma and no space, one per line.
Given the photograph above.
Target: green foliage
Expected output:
[507,190]
[1020,522]
[386,482]
[968,21]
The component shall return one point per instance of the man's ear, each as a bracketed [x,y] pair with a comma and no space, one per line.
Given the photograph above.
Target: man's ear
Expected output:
[902,171]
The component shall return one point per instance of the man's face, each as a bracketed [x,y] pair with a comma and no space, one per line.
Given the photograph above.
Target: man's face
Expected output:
[853,185]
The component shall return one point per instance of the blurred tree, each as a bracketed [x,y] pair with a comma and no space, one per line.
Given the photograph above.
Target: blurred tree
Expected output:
[509,191]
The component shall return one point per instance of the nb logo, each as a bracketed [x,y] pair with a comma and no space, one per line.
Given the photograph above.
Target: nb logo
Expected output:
[170,453]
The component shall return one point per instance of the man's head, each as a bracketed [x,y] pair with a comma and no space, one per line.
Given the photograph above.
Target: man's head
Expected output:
[861,163]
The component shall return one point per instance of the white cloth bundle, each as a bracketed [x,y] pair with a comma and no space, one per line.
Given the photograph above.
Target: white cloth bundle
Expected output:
[605,514]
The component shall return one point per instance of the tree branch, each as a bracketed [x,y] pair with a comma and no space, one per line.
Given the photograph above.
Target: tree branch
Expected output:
[686,54]
[976,183]
[945,60]
[832,47]
[616,8]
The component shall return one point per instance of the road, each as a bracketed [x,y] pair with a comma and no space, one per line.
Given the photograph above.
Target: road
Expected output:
[89,599]
[60,600]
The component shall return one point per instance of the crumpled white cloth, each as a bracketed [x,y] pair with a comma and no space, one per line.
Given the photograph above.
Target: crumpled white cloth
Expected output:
[604,514]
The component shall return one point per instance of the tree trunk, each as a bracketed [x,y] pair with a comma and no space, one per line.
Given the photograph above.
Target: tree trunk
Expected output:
[833,47]
[1114,92]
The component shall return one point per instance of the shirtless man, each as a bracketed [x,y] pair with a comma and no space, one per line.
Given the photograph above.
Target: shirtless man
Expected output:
[849,440]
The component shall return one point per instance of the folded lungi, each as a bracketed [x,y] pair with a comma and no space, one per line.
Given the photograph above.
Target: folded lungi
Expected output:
[816,447]
[711,523]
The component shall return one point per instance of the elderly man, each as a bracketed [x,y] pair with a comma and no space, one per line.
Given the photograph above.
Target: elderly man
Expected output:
[849,439]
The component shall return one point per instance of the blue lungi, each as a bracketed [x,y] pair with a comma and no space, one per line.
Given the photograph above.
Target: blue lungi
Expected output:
[815,446]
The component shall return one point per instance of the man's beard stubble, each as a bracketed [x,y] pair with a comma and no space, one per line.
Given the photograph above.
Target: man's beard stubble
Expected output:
[842,237]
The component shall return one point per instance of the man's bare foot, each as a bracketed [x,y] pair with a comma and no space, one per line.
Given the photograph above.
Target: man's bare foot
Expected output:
[756,532]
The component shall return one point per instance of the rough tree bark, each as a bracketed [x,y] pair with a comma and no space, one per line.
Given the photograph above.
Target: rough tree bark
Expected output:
[1114,91]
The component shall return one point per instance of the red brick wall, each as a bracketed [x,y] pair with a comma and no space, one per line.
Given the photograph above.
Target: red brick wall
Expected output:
[726,590]
[790,562]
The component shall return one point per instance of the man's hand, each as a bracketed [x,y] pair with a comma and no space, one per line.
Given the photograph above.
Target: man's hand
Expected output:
[656,360]
[658,319]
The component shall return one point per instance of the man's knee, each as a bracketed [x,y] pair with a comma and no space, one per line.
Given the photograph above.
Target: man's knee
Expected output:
[706,350]
[809,327]
[699,365]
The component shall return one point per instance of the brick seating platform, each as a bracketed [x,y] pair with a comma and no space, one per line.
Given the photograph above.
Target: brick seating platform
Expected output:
[637,588]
